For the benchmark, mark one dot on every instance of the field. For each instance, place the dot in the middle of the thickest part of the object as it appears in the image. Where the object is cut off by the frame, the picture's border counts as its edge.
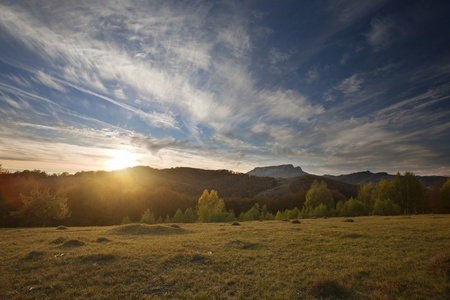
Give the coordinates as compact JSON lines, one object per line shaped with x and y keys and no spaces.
{"x":404,"y":257}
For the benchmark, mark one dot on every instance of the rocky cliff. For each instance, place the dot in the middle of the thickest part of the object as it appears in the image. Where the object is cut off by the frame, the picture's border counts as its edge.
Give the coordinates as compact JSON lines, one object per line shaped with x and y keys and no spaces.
{"x":283,"y":171}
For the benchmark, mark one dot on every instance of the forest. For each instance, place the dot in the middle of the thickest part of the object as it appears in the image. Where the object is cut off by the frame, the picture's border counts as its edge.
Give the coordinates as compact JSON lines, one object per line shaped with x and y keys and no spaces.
{"x":148,"y":195}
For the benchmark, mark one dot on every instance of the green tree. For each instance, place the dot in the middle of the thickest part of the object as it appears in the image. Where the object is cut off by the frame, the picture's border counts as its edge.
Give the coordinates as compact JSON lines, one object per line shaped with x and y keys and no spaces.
{"x":265,"y":214}
{"x":352,"y":208}
{"x":281,"y":215}
{"x":167,"y":219}
{"x":148,"y":217}
{"x":293,"y":213}
{"x":408,"y":192}
{"x":126,"y":220}
{"x":318,"y":195}
{"x":210,"y":208}
{"x":444,"y":197}
{"x":189,"y":216}
{"x":178,"y":217}
{"x":252,"y":214}
{"x":45,"y":205}
{"x":365,"y":193}
{"x":385,"y":207}
{"x":320,"y":211}
{"x":382,"y":191}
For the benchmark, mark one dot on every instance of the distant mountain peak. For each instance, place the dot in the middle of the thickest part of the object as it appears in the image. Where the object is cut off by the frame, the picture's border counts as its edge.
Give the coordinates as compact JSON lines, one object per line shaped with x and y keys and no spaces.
{"x":281,"y":171}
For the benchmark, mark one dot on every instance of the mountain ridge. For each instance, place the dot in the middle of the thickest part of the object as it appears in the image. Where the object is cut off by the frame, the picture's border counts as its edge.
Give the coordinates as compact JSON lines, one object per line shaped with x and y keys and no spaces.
{"x":356,"y":178}
{"x":280,"y":171}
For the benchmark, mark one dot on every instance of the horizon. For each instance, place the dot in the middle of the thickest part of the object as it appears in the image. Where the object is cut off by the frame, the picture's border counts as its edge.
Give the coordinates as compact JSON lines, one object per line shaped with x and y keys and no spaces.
{"x":56,"y":172}
{"x":335,"y":87}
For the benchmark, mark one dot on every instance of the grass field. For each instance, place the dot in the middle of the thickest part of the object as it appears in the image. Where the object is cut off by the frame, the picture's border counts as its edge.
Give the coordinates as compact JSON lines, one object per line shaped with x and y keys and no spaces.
{"x":404,"y":257}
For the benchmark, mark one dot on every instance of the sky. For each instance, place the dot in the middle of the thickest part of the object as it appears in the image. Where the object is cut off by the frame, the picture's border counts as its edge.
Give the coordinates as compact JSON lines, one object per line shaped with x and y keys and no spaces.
{"x":335,"y":86}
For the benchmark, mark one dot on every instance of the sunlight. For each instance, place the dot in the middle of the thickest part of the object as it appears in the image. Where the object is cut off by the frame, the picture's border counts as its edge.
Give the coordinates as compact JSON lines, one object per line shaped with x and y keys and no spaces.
{"x":120,"y":160}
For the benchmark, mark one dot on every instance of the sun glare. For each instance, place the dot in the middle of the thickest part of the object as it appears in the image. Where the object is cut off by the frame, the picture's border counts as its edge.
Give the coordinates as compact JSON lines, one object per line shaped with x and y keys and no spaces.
{"x":121,"y":160}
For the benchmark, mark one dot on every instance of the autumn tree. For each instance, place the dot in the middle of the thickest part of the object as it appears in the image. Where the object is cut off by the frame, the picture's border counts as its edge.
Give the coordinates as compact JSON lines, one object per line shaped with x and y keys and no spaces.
{"x":210,"y":208}
{"x":319,"y":201}
{"x":44,"y":205}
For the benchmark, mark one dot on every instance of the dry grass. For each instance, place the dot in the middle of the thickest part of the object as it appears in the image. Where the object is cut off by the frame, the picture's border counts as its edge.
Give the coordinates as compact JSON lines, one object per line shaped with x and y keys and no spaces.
{"x":371,"y":258}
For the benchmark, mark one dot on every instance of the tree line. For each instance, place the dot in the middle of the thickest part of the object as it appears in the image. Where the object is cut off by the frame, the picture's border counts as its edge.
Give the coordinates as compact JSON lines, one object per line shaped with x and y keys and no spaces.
{"x":33,"y":198}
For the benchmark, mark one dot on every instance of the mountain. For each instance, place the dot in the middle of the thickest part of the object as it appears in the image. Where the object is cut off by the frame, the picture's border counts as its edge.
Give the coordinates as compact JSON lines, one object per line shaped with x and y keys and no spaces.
{"x":282,"y":171}
{"x":361,"y":178}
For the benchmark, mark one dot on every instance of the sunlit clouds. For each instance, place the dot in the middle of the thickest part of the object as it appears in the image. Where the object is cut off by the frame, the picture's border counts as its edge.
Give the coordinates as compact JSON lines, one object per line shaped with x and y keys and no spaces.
{"x":333,"y":87}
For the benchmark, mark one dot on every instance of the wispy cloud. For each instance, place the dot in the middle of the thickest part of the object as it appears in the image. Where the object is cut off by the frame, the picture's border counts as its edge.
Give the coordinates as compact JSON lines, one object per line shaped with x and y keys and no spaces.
{"x":385,"y":31}
{"x":47,"y":80}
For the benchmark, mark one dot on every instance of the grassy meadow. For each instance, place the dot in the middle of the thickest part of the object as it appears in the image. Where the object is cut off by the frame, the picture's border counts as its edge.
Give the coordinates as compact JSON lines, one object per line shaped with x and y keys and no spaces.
{"x":402,"y":257}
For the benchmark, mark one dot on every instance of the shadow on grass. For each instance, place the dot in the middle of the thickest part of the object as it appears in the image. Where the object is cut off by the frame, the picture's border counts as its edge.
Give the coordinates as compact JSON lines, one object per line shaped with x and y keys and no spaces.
{"x":244,"y":245}
{"x":33,"y":255}
{"x":329,"y":288}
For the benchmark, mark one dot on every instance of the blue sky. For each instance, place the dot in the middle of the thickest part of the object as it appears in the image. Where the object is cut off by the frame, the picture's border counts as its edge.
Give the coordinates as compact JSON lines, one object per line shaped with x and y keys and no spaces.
{"x":332,"y":86}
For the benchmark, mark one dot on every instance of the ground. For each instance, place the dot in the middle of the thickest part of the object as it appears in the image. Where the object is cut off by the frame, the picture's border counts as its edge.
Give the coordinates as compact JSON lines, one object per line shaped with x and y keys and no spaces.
{"x":403,"y":257}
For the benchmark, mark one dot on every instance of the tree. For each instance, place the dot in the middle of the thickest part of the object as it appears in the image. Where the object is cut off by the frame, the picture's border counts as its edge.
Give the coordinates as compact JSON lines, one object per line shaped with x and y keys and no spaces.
{"x":189,"y":216}
{"x":252,"y":214}
{"x":365,"y":193}
{"x":386,"y":208}
{"x":210,"y":208}
{"x":318,"y":195}
{"x":45,"y":205}
{"x":148,"y":217}
{"x":293,"y":213}
{"x":352,"y":208}
{"x":126,"y":220}
{"x":445,"y":197}
{"x":178,"y":217}
{"x":408,"y":192}
{"x":382,"y":191}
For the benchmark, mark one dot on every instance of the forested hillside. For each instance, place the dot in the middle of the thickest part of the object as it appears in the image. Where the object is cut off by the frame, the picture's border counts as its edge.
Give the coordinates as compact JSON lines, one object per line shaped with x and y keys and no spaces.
{"x":106,"y":198}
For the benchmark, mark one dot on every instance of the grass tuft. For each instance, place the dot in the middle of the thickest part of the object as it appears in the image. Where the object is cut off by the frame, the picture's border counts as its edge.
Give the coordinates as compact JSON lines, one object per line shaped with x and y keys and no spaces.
{"x":352,"y":236}
{"x":328,"y":288}
{"x":442,"y":263}
{"x":35,"y":255}
{"x":143,"y":229}
{"x":61,"y":227}
{"x":72,"y":243}
{"x":244,"y":245}
{"x":103,"y":240}
{"x":178,"y":259}
{"x":58,"y":241}
{"x":96,"y":258}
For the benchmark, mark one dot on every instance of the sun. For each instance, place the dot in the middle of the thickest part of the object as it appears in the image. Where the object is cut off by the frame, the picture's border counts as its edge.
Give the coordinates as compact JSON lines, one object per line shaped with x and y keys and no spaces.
{"x":120,"y":160}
